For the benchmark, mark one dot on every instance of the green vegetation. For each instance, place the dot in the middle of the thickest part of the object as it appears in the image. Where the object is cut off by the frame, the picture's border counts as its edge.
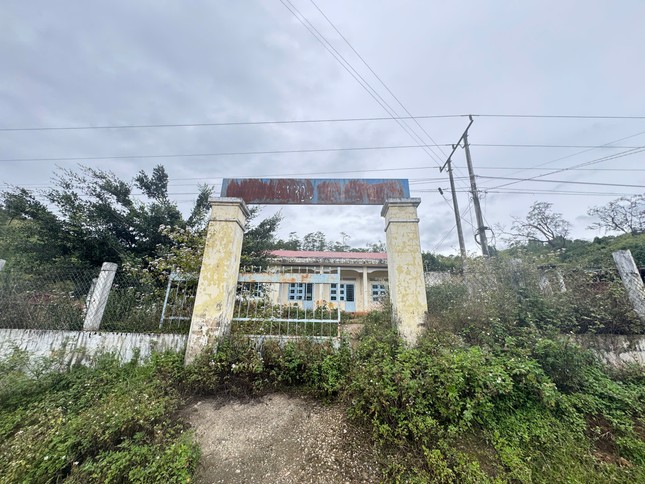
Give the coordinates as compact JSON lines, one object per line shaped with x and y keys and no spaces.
{"x":495,"y":391}
{"x":111,"y":423}
{"x":511,"y":404}
{"x":505,"y":295}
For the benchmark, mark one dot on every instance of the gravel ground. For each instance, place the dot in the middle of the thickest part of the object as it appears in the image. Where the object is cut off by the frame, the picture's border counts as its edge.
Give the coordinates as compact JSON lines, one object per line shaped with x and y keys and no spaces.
{"x":279,"y":439}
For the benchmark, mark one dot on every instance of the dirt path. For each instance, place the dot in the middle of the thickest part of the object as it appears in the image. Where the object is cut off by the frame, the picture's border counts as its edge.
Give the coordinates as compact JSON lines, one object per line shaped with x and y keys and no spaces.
{"x":279,"y":439}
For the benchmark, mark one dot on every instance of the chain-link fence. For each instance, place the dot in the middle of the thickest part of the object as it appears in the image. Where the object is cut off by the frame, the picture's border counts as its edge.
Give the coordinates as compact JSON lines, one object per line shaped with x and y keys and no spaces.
{"x":54,"y":299}
{"x":134,"y":307}
{"x":95,"y":299}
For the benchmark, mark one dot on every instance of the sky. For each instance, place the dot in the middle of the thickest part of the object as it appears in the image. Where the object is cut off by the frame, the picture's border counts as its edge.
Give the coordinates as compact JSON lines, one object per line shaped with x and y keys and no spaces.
{"x":90,"y":64}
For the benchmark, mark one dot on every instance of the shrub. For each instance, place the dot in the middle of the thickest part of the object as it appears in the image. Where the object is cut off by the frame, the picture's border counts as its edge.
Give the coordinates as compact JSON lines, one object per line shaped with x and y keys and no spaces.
{"x":95,"y":425}
{"x":239,"y":368}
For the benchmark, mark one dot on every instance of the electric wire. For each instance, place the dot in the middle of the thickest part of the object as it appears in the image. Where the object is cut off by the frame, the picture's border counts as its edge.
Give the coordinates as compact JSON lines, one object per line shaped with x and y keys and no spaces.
{"x":377,"y":77}
{"x":350,"y":69}
{"x":301,"y":121}
{"x":640,"y":133}
{"x":602,"y":184}
{"x":283,"y":152}
{"x":580,"y":165}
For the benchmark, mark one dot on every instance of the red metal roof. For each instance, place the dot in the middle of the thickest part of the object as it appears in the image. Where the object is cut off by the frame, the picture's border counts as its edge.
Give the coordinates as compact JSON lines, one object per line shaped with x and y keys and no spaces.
{"x":305,"y":254}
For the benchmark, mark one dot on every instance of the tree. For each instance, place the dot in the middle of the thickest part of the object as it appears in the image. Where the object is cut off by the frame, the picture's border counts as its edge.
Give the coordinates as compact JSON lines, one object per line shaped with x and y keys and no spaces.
{"x":625,"y":214}
{"x":91,"y":216}
{"x":259,"y":239}
{"x":314,"y":241}
{"x":185,"y":250}
{"x":441,"y":263}
{"x":542,"y":226}
{"x":293,"y":243}
{"x":340,"y":245}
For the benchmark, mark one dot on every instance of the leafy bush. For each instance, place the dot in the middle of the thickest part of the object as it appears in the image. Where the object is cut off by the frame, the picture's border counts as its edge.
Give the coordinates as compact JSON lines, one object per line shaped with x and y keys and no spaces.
{"x":239,"y":368}
{"x":509,"y":402}
{"x":108,"y":423}
{"x":519,"y":410}
{"x":513,"y":297}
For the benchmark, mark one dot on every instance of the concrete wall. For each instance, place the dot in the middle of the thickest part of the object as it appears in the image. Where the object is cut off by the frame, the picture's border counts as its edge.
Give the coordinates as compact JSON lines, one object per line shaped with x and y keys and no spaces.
{"x":81,"y":347}
{"x":615,"y":349}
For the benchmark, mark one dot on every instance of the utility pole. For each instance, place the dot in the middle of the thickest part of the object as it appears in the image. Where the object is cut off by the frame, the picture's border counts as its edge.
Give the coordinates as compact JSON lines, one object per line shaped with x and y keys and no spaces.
{"x":481,"y":228}
{"x":455,"y":204}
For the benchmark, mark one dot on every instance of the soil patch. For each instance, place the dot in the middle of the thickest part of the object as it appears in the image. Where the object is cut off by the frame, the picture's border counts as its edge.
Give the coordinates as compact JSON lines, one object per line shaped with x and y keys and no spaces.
{"x":280,"y":439}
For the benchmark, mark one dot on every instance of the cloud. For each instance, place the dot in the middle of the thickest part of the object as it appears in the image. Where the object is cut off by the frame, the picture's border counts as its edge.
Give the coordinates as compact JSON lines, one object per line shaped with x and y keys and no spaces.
{"x":70,"y":63}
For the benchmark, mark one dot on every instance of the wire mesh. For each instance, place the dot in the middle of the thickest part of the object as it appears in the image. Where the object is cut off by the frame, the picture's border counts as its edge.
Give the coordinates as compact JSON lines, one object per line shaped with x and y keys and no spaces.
{"x":79,"y":299}
{"x":55,"y":299}
{"x":136,"y":307}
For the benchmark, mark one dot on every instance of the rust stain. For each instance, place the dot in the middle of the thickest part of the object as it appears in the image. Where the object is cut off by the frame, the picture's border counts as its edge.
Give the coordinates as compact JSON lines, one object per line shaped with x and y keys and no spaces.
{"x":315,"y":191}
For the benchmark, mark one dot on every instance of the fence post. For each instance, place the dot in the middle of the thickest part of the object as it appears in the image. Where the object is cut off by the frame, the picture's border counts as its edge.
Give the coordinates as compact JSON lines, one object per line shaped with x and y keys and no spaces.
{"x":2,"y":263}
{"x":98,"y":299}
{"x":631,"y":280}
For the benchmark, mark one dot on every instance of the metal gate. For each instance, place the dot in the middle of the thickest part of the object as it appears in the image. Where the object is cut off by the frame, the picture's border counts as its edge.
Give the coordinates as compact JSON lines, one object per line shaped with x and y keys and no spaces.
{"x":179,"y":301}
{"x":287,"y":302}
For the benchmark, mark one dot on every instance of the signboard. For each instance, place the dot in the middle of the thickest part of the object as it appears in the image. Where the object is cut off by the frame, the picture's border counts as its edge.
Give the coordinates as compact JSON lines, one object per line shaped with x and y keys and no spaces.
{"x":315,"y":191}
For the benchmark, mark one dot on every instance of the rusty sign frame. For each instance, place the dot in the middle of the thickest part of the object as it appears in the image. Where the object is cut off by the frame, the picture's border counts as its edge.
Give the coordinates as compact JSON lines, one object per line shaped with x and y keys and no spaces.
{"x":316,"y":191}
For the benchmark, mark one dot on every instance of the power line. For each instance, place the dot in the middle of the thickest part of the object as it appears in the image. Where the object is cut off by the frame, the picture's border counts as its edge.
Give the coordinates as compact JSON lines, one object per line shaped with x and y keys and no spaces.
{"x":461,"y":216}
{"x":294,"y":151}
{"x":564,"y":168}
{"x":565,"y":193}
{"x":511,"y":145}
{"x":392,"y":112}
{"x":602,"y":184}
{"x":350,"y":69}
{"x":300,"y":121}
{"x":517,"y":191}
{"x":579,"y":153}
{"x":376,"y":75}
{"x":556,"y":116}
{"x":222,"y":153}
{"x":371,"y":170}
{"x":228,"y":123}
{"x":580,"y":165}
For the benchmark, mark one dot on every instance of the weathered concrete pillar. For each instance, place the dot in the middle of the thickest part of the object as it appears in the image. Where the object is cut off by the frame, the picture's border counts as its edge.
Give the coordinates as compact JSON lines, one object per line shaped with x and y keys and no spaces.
{"x":631,"y":280}
{"x":215,"y":299}
{"x":405,"y":266}
{"x":98,"y":299}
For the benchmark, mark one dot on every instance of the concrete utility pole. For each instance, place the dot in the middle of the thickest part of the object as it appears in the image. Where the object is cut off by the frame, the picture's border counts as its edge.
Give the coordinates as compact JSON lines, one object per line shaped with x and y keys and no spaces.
{"x":481,"y":228}
{"x":455,"y":205}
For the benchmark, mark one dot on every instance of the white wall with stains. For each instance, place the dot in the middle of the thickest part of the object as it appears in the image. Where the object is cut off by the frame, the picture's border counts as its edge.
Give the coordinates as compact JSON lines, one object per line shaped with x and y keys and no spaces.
{"x":81,"y":347}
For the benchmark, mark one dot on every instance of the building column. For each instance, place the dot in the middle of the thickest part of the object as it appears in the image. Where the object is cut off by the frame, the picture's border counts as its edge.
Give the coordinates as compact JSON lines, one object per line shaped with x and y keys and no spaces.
{"x":366,"y":291}
{"x":405,"y":267}
{"x":215,"y":299}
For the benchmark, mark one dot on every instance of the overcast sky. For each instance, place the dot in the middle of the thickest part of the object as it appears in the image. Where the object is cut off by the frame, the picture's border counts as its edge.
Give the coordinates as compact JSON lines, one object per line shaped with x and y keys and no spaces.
{"x":72,"y":63}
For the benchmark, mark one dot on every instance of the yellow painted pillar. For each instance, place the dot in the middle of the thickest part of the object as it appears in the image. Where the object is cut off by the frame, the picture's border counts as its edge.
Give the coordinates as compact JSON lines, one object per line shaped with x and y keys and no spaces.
{"x":405,"y":267}
{"x":215,"y":299}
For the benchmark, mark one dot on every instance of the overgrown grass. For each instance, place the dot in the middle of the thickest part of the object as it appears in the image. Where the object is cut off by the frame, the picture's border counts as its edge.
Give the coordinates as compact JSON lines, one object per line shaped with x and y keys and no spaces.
{"x":110,"y":423}
{"x":518,"y":404}
{"x":541,"y":412}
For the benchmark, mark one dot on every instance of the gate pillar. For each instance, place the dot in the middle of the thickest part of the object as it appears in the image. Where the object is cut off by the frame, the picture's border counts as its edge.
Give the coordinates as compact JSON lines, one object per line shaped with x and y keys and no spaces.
{"x":405,"y":267}
{"x":215,"y":299}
